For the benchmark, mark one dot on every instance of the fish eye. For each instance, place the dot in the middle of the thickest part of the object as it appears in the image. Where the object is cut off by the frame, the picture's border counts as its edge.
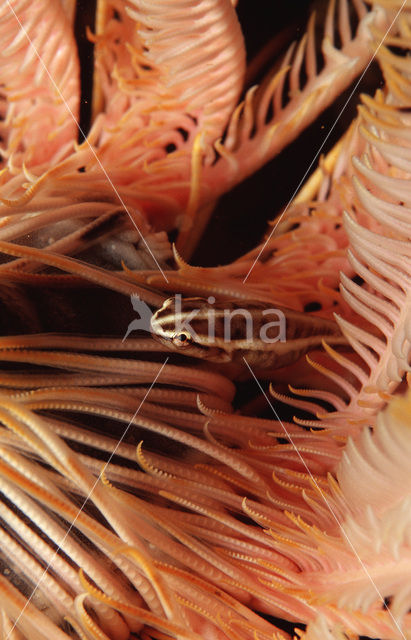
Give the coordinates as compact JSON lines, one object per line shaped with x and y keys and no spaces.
{"x":182,"y":339}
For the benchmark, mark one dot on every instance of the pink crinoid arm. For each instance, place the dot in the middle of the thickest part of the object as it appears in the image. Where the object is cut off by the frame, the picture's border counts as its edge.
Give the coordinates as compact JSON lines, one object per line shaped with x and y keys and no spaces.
{"x":39,"y":94}
{"x":275,"y":112}
{"x":167,"y":137}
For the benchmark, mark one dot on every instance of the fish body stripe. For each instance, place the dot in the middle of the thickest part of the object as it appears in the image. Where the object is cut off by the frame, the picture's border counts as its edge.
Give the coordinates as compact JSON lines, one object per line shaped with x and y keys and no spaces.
{"x":226,"y":330}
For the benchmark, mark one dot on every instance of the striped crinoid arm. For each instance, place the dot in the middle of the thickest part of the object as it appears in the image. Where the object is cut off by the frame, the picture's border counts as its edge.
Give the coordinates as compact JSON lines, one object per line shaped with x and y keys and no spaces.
{"x":167,"y":78}
{"x":47,"y":579}
{"x":185,"y":575}
{"x":170,"y":77}
{"x":178,"y":71}
{"x":39,"y":94}
{"x":363,"y":552}
{"x":297,"y":265}
{"x":378,"y":230}
{"x":63,"y":501}
{"x":275,"y":112}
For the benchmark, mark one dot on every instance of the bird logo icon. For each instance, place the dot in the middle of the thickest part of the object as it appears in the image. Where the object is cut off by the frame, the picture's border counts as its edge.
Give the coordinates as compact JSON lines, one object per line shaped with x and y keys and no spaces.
{"x":143,"y":322}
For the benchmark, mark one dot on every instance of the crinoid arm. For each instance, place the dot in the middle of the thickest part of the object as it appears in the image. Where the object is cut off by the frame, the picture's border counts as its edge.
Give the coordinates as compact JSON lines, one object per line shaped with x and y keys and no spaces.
{"x":374,"y":305}
{"x":274,"y":113}
{"x":39,"y":84}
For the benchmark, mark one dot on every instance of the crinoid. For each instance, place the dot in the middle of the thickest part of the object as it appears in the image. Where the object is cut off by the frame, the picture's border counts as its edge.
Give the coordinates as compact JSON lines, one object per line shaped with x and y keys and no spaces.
{"x":135,"y":500}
